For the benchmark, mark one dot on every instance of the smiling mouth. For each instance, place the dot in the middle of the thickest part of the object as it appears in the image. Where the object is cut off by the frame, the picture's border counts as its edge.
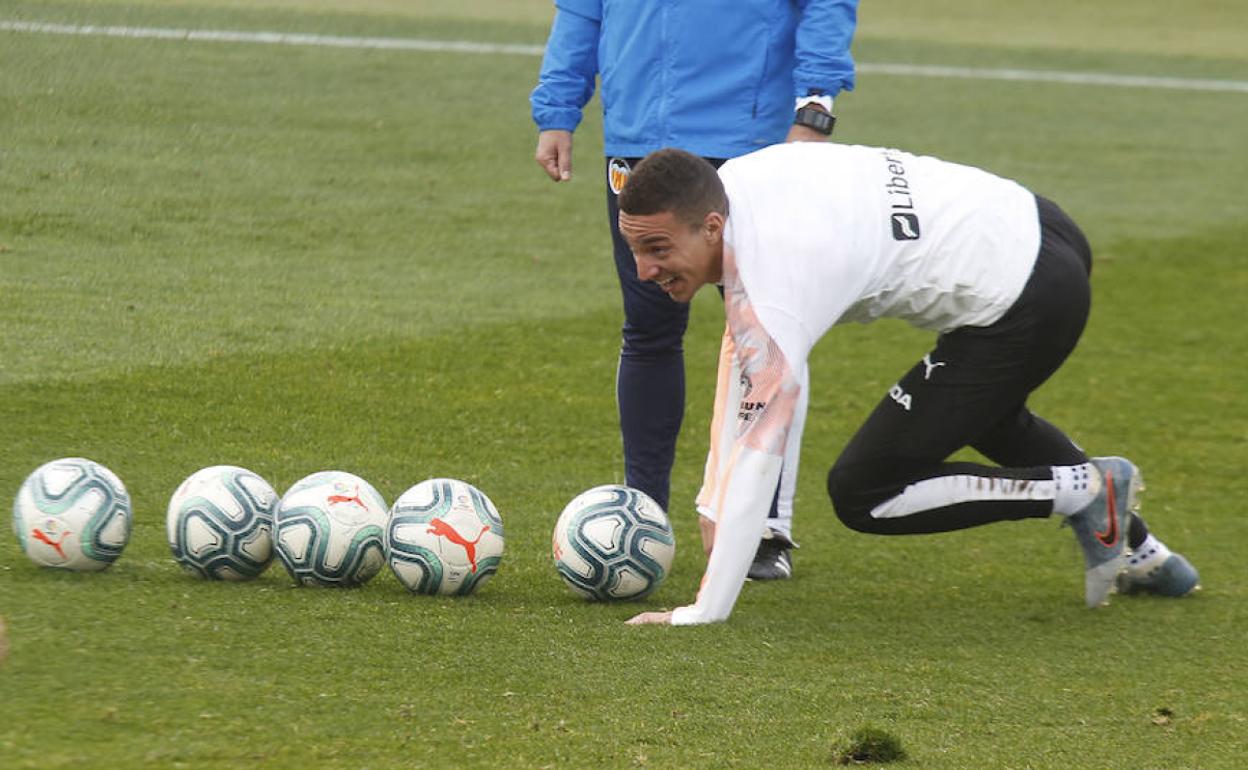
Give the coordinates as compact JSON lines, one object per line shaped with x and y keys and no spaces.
{"x":663,"y":284}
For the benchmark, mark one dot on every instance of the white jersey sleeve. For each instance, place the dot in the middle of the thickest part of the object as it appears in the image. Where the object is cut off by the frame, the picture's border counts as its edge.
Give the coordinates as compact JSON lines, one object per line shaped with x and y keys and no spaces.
{"x":756,"y":403}
{"x":728,"y":387}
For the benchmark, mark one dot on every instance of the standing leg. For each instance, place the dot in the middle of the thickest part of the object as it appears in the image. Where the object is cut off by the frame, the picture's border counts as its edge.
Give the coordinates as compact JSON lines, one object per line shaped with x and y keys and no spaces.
{"x":780,"y":517}
{"x":650,"y":381}
{"x":774,"y":558}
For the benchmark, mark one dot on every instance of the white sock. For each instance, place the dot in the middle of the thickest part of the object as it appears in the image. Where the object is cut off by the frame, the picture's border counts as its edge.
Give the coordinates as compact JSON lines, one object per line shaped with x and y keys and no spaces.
{"x":1151,"y":554}
{"x":1075,"y":486}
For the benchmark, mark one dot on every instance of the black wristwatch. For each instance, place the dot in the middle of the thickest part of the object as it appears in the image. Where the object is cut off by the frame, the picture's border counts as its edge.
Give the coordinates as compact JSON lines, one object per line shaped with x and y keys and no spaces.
{"x":815,"y":119}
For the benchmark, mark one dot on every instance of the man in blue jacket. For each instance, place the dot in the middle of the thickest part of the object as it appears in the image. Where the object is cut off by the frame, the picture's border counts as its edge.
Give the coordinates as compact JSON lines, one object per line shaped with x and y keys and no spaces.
{"x":718,"y":78}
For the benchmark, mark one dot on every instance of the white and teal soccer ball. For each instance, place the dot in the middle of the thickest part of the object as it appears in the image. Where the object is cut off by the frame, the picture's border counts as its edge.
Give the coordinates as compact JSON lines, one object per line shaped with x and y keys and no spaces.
{"x":613,"y":543}
{"x":220,"y":523}
{"x":72,"y":514}
{"x":444,"y":537}
{"x":329,"y":529}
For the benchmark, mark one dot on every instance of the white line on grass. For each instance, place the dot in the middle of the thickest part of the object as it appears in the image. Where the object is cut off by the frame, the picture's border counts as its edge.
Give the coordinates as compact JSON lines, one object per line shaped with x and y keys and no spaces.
{"x":463,"y":46}
{"x":271,"y":38}
{"x":1054,"y":76}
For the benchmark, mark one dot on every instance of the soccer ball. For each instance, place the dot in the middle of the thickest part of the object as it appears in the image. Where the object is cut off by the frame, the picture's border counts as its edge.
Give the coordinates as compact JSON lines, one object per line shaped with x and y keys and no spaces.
{"x":72,"y":514}
{"x":444,"y":537}
{"x":220,"y":523}
{"x":613,"y":543}
{"x":329,"y":530}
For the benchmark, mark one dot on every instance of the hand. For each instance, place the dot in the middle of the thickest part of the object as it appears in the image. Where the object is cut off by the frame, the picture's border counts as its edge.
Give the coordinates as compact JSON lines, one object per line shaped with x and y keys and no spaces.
{"x":706,"y":526}
{"x":651,"y":619}
{"x":554,"y":154}
{"x":805,"y":134}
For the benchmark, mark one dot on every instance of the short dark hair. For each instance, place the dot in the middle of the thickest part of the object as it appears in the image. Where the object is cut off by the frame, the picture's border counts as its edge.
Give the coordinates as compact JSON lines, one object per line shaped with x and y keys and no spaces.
{"x":676,"y":181}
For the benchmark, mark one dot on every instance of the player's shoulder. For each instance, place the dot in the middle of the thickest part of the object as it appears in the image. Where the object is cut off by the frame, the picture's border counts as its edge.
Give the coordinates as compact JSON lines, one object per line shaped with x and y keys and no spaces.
{"x":787,"y":163}
{"x":798,"y":153}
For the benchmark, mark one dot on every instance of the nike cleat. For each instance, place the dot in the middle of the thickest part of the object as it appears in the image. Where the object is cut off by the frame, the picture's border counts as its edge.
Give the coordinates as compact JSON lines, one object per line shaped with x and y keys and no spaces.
{"x":1101,"y":527}
{"x":1171,"y":575}
{"x":773,"y":560}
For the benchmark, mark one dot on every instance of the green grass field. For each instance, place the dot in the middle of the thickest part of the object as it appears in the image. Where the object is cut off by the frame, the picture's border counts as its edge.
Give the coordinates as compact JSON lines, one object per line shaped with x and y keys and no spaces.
{"x":297,"y":258}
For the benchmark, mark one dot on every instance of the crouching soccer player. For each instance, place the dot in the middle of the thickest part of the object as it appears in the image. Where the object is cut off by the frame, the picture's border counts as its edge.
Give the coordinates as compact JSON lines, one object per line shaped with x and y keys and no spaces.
{"x":806,"y":236}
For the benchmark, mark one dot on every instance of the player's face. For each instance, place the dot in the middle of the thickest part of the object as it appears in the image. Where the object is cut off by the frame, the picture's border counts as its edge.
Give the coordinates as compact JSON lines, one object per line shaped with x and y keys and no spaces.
{"x":679,"y":257}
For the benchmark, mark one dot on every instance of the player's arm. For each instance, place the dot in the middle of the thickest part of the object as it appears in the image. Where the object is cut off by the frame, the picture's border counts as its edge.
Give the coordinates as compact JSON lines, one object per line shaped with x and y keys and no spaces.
{"x":764,"y":397}
{"x":566,"y":83}
{"x":728,"y":387}
{"x":728,"y":391}
{"x":825,"y":66}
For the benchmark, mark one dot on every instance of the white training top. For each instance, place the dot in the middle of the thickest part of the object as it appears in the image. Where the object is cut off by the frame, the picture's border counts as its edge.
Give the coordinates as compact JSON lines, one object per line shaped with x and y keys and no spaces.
{"x":820,"y":234}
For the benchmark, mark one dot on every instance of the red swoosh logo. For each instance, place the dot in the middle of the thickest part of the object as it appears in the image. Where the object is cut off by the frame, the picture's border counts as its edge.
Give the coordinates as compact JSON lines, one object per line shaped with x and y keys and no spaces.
{"x":1109,"y":537}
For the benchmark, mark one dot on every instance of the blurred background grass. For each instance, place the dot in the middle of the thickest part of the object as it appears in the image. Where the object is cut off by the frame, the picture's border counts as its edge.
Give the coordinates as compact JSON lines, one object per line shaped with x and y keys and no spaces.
{"x":296,"y":258}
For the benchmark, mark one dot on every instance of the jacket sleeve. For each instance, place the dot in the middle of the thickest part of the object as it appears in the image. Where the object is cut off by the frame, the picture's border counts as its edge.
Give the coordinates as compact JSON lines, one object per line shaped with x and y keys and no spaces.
{"x":824,"y":33}
{"x":569,"y":65}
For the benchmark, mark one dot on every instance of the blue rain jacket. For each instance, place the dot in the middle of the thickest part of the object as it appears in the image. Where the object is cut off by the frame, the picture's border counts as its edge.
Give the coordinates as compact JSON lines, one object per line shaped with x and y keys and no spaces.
{"x":715,"y":77}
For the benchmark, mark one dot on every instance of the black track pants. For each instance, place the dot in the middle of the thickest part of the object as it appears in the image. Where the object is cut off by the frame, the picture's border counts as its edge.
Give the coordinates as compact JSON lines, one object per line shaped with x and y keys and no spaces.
{"x":972,"y":390}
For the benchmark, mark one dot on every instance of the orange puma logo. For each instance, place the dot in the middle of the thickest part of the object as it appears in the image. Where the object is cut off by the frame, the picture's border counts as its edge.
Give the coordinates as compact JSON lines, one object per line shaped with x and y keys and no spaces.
{"x":42,"y":537}
{"x":440,"y":528}
{"x":352,"y":499}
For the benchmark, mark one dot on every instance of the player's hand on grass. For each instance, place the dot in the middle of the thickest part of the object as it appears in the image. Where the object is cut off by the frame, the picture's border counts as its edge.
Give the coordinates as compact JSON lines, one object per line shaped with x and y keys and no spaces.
{"x":554,"y":154}
{"x":651,"y":619}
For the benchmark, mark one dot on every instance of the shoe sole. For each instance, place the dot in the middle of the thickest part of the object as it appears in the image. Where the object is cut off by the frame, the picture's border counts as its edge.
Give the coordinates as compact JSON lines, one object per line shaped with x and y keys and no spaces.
{"x":1100,"y":581}
{"x":1125,"y":585}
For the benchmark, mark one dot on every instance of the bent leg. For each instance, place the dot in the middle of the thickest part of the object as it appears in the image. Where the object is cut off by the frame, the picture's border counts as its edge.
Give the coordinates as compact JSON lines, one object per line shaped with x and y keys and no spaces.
{"x":971,"y":390}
